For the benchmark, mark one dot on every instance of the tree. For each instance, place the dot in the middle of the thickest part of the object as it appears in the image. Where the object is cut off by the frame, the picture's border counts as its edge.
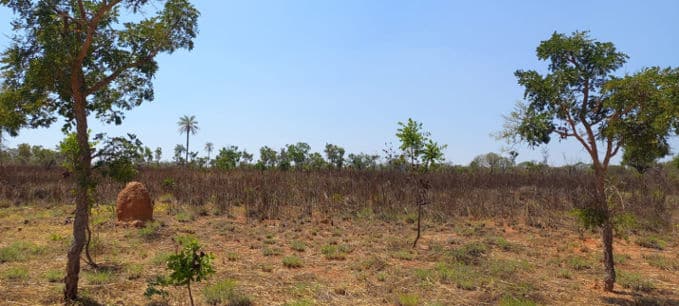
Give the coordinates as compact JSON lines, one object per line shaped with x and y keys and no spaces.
{"x":412,"y":140}
{"x":362,"y":161}
{"x":158,"y":153}
{"x":189,"y":125}
{"x":580,"y":98}
{"x":75,"y":58}
{"x":178,"y":152}
{"x":492,"y":161}
{"x":208,"y":148}
{"x":335,"y":155}
{"x":298,"y":153}
{"x":24,"y":153}
{"x":316,"y":161}
{"x":228,"y":158}
{"x":432,"y":154}
{"x":268,"y":158}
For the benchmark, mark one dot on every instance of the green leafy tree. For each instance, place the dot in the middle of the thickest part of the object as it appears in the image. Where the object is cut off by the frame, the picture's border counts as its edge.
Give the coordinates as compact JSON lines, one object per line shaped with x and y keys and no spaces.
{"x":75,"y":58}
{"x":362,"y":161}
{"x":412,"y":139}
{"x":316,"y":162}
{"x":492,"y":161}
{"x":190,"y":265}
{"x":268,"y":158}
{"x":228,"y":158}
{"x":158,"y":154}
{"x":24,"y":153}
{"x":118,"y":157}
{"x":298,"y":153}
{"x":209,"y":147}
{"x":335,"y":155}
{"x":432,"y":155}
{"x":188,"y":125}
{"x":178,"y":152}
{"x":580,"y":98}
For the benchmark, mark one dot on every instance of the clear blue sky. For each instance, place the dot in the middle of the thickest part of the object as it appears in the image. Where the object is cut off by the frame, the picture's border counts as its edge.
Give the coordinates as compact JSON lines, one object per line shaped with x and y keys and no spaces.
{"x":344,"y":72}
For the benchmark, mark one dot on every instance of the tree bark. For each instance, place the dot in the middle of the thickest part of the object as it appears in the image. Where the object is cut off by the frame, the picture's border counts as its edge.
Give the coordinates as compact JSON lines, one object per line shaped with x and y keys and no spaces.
{"x":83,"y":181}
{"x":187,"y":148}
{"x":606,"y":229}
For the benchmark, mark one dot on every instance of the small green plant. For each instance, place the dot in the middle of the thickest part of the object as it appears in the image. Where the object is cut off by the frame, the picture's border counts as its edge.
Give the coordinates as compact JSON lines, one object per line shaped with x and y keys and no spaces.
{"x":292,"y":262}
{"x":652,"y":242}
{"x":100,"y":277}
{"x":471,"y":253}
{"x":333,"y":252}
{"x":189,"y":265}
{"x":185,"y":216}
{"x":15,"y":274}
{"x":578,"y":263}
{"x":635,"y":281}
{"x":404,"y":255}
{"x":408,"y":300}
{"x":463,"y":276}
{"x":231,"y":256}
{"x":267,"y":251}
{"x":565,"y":274}
{"x":150,"y":230}
{"x":225,"y":292}
{"x":662,"y":262}
{"x":134,"y":271}
{"x":168,"y":184}
{"x":298,"y":246}
{"x":381,"y":276}
{"x":514,"y":301}
{"x":54,"y":276}
{"x":18,"y":251}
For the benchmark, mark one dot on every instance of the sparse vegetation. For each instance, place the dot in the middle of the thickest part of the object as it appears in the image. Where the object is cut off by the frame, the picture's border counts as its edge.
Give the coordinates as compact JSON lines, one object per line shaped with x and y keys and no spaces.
{"x":292,"y":262}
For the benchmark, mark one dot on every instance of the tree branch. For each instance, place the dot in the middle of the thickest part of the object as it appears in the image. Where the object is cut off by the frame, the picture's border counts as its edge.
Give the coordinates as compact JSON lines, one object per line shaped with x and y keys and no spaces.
{"x":107,"y":80}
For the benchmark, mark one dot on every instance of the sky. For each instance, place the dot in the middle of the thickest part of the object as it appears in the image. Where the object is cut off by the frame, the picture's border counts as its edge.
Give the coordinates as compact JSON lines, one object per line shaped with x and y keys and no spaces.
{"x":345,"y":72}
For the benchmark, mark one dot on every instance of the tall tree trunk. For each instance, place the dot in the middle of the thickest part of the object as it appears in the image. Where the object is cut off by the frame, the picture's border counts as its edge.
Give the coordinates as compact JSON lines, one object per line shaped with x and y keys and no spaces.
{"x":187,"y":147}
{"x":606,"y":229}
{"x":83,"y":182}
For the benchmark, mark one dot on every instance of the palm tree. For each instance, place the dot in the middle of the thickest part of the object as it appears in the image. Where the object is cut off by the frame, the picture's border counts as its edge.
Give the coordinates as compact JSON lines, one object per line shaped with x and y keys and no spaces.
{"x":188,"y":125}
{"x":209,"y":147}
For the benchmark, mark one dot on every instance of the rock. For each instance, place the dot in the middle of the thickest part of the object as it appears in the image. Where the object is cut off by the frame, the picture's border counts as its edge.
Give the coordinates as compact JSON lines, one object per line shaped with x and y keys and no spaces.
{"x":134,"y":203}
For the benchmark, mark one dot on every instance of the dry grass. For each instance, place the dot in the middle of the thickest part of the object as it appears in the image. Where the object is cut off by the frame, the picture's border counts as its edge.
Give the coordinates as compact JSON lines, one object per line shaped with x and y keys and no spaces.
{"x":350,"y":262}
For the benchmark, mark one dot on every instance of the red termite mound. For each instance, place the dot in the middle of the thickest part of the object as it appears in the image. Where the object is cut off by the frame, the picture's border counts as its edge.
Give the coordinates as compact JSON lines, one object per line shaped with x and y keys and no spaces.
{"x":134,"y":203}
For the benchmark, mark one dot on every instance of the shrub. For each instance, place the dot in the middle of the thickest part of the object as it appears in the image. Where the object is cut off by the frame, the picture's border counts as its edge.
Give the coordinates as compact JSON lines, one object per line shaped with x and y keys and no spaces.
{"x":225,"y":292}
{"x":634,"y":281}
{"x":408,"y":300}
{"x":267,"y":251}
{"x":471,"y":253}
{"x":298,"y":246}
{"x":15,"y":274}
{"x":292,"y":262}
{"x":18,"y":250}
{"x":652,"y":242}
{"x":662,"y":262}
{"x":333,"y":252}
{"x":54,"y":276}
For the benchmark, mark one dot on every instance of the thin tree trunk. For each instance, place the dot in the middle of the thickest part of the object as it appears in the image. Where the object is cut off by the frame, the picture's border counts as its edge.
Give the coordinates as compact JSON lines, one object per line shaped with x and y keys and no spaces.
{"x":606,"y":230}
{"x":419,"y":218}
{"x":90,"y":261}
{"x":190,"y":295}
{"x":187,"y":147}
{"x":83,"y":174}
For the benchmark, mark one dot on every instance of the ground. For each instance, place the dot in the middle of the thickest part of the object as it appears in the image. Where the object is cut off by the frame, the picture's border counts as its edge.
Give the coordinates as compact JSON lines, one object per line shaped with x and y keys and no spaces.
{"x":356,"y":260}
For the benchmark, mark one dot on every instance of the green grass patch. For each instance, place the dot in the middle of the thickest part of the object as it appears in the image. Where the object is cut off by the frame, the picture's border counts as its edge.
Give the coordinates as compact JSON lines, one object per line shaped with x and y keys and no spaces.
{"x":662,"y":262}
{"x":100,"y":277}
{"x":334,"y":252}
{"x":635,"y":281}
{"x":404,"y":255}
{"x":54,"y":276}
{"x":652,"y":242}
{"x":408,"y":300}
{"x":134,"y":271}
{"x":225,"y":292}
{"x":292,"y":262}
{"x":298,"y":246}
{"x":15,"y":274}
{"x":463,"y":276}
{"x":19,"y":250}
{"x":267,"y":251}
{"x":579,"y":263}
{"x":231,"y":256}
{"x":150,"y":231}
{"x":514,"y":301}
{"x":471,"y":253}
